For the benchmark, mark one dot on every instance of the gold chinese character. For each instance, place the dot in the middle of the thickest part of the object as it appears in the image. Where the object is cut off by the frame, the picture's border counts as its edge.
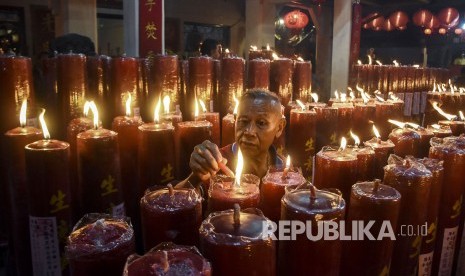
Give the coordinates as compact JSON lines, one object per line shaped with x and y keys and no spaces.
{"x":167,"y":173}
{"x":432,"y":231}
{"x":150,"y":4}
{"x":333,"y":139}
{"x":416,"y":245}
{"x":58,"y":202}
{"x":150,"y":29}
{"x":309,"y":145}
{"x":108,"y":186}
{"x":457,"y":208}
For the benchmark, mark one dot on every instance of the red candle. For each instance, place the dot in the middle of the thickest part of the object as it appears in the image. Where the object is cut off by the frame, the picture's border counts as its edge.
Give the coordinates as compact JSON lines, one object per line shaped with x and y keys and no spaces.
{"x":231,"y":82}
{"x":413,"y":181}
{"x":184,"y":77}
{"x":14,"y":142}
{"x":370,"y":201}
{"x":345,"y":113}
{"x":365,"y":163}
{"x":382,"y":151}
{"x":168,"y":259}
{"x":281,"y":79}
{"x":326,"y":127}
{"x":224,"y":192}
{"x":363,"y":117}
{"x":200,"y":82}
{"x":188,"y":135}
{"x":170,"y":215}
{"x":72,"y":86}
{"x":440,"y":131}
{"x":273,"y":188}
{"x":397,"y":109}
{"x":254,"y":53}
{"x":302,"y":138}
{"x":425,"y":137}
{"x":450,"y":151}
{"x":124,"y":81}
{"x":214,"y":119}
{"x":383,"y":112}
{"x":258,"y":75}
{"x":406,"y":141}
{"x":49,"y":75}
{"x":457,"y":127}
{"x":98,"y":73}
{"x":303,"y":256}
{"x":49,"y":201}
{"x":145,"y":80}
{"x":165,"y":79}
{"x":302,"y":80}
{"x":228,"y":133}
{"x":100,"y":245}
{"x":99,"y":172}
{"x":235,"y":242}
{"x":336,"y":169}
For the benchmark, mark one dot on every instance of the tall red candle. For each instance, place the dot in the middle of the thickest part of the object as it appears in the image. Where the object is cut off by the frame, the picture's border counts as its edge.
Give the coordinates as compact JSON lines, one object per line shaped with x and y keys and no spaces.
{"x":49,"y":200}
{"x":326,"y":127}
{"x":171,"y":215}
{"x":281,"y":79}
{"x":100,"y":245}
{"x":406,"y":141}
{"x":235,"y":242}
{"x":228,"y":134}
{"x":302,"y":80}
{"x":365,"y":163}
{"x":214,"y":119}
{"x":382,"y":151}
{"x":98,"y":75}
{"x":302,"y":139}
{"x":383,"y":113}
{"x":258,"y":74}
{"x":370,"y":201}
{"x":200,"y":82}
{"x":231,"y":82}
{"x":345,"y":113}
{"x":124,"y":80}
{"x":362,"y":122}
{"x":424,"y":145}
{"x":303,"y":256}
{"x":413,"y":181}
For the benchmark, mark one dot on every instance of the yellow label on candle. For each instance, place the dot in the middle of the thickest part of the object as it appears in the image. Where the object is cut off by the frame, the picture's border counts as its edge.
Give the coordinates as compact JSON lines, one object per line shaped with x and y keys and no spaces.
{"x":108,"y":186}
{"x":57,"y":201}
{"x":167,"y":173}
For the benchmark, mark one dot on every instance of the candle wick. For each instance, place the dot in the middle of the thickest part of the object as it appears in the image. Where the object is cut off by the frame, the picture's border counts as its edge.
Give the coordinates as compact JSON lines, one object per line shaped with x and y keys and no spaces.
{"x":166,"y":264}
{"x":312,"y":193}
{"x":284,"y":176}
{"x":237,"y":214}
{"x":376,"y":186}
{"x":170,"y":190}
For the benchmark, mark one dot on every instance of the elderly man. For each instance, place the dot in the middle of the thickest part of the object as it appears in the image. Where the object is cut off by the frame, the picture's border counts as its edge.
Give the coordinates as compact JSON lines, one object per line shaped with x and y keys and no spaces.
{"x":259,"y":122}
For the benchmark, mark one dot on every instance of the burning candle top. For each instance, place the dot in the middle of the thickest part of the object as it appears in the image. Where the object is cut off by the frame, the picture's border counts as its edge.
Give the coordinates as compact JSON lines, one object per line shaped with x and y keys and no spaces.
{"x":46,"y":143}
{"x":375,"y":192}
{"x":23,"y":129}
{"x":456,"y":124}
{"x":171,"y":200}
{"x":168,"y":259}
{"x":440,"y":131}
{"x":341,"y":154}
{"x":315,"y":102}
{"x":286,"y":176}
{"x":376,"y":141}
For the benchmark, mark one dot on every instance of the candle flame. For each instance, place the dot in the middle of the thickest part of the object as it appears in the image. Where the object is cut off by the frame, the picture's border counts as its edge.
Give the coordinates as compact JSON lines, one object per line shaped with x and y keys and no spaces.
{"x":443,"y":87}
{"x":226,"y":51}
{"x":300,"y":59}
{"x":156,"y":113}
{"x":336,"y":94}
{"x":22,"y":113}
{"x":343,"y":97}
{"x":94,"y":109}
{"x":128,"y":105}
{"x":356,"y":138}
{"x":359,"y":62}
{"x":196,"y":107}
{"x":376,"y":132}
{"x":396,"y":63}
{"x":314,"y":97}
{"x":461,"y":115}
{"x":397,"y":123}
{"x":364,"y":97}
{"x":236,"y":106}
{"x":275,"y":56}
{"x":288,"y":161}
{"x":446,"y":115}
{"x":352,"y":95}
{"x":359,"y":89}
{"x":379,"y":98}
{"x":202,"y":104}
{"x":461,"y":90}
{"x":416,"y":66}
{"x":239,"y":167}
{"x":44,"y":125}
{"x":268,"y":46}
{"x":166,"y":104}
{"x":370,"y":60}
{"x":436,"y":126}
{"x":86,"y":108}
{"x":343,"y":144}
{"x":253,"y":48}
{"x":379,"y":62}
{"x":434,"y":86}
{"x":415,"y":126}
{"x":393,"y":96}
{"x":301,"y":104}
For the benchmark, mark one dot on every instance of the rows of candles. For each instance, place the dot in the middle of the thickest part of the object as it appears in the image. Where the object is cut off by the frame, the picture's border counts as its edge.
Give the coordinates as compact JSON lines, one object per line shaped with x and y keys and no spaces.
{"x":53,"y":183}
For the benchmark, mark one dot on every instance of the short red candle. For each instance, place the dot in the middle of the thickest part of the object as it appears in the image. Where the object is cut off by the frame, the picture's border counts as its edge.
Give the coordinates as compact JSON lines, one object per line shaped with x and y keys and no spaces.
{"x":223,"y":194}
{"x":382,"y":151}
{"x":235,"y":248}
{"x":364,"y":115}
{"x":365,"y":163}
{"x":228,"y":130}
{"x":173,"y":117}
{"x":425,"y":137}
{"x":273,"y":189}
{"x":214,"y":119}
{"x":188,"y":135}
{"x":304,"y":256}
{"x":397,"y":109}
{"x":326,"y":127}
{"x":457,"y":127}
{"x":171,"y":215}
{"x":406,"y":141}
{"x":302,"y":139}
{"x":370,"y":201}
{"x":440,"y":131}
{"x":200,"y":82}
{"x":100,"y":245}
{"x":413,"y":181}
{"x":383,"y":112}
{"x":49,"y":194}
{"x":168,"y":259}
{"x":336,"y":169}
{"x":258,"y":75}
{"x":302,"y":80}
{"x":345,"y":113}
{"x":124,"y":80}
{"x":99,"y":172}
{"x":231,"y":82}
{"x":281,"y":79}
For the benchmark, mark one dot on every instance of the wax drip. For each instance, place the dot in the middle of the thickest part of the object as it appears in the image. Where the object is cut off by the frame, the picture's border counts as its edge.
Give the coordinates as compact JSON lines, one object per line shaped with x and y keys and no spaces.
{"x":376,"y":185}
{"x":170,"y":190}
{"x":312,"y":193}
{"x":237,"y":215}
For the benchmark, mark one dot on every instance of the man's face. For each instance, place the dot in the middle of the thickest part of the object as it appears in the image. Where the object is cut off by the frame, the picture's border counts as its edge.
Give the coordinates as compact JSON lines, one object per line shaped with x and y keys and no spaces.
{"x":216,"y":53}
{"x":258,"y":122}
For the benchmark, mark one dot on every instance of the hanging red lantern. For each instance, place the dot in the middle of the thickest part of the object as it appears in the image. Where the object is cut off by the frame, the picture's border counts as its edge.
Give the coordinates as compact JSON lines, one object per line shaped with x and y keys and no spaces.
{"x":448,"y":17}
{"x":366,"y":26}
{"x":378,"y":22}
{"x":388,"y":26}
{"x":427,"y":31}
{"x":433,"y":23}
{"x":319,"y":2}
{"x":377,"y":28}
{"x":402,"y":28}
{"x":442,"y":31}
{"x":422,"y":17}
{"x":458,"y":31}
{"x":295,"y":20}
{"x":398,"y":19}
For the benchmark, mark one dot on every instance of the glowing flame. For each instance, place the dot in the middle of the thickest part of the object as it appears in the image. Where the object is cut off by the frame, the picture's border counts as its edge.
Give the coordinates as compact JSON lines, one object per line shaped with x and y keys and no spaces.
{"x":352,"y":95}
{"x":156,"y":113}
{"x":94,"y":109}
{"x":379,"y":98}
{"x":343,"y":144}
{"x":370,"y":61}
{"x":434,"y":86}
{"x":461,"y":115}
{"x":359,"y":89}
{"x":44,"y":125}
{"x":336,"y":94}
{"x":275,"y":56}
{"x":395,"y":63}
{"x":461,"y":90}
{"x":376,"y":132}
{"x":443,"y":87}
{"x":288,"y":161}
{"x":364,"y":97}
{"x":239,"y":167}
{"x":393,"y":96}
{"x":359,"y":62}
{"x":314,"y":97}
{"x":166,"y":104}
{"x":343,"y":97}
{"x":267,"y":46}
{"x":128,"y":105}
{"x":236,"y":106}
{"x":226,"y":51}
{"x":356,"y":139}
{"x":416,"y":66}
{"x":452,"y":90}
{"x":301,"y":104}
{"x":397,"y":123}
{"x":202,"y":104}
{"x":300,"y":59}
{"x":447,"y":116}
{"x":196,"y":107}
{"x":415,"y":126}
{"x":22,"y":113}
{"x":436,"y":126}
{"x":253,"y":48}
{"x":379,"y":62}
{"x":86,"y":108}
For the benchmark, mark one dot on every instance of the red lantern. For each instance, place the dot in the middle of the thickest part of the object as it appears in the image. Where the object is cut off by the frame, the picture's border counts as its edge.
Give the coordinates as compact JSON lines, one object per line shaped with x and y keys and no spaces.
{"x":458,"y":31}
{"x":295,"y":20}
{"x":449,"y":17}
{"x":398,"y":19}
{"x":378,"y":22}
{"x":422,"y":17}
{"x":442,"y":31}
{"x":433,"y":23}
{"x":377,"y":28}
{"x":402,"y":28}
{"x":427,"y":31}
{"x":388,"y":26}
{"x":366,"y":26}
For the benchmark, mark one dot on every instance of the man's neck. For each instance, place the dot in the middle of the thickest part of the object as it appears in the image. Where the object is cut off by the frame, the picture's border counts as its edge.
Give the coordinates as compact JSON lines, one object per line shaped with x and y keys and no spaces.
{"x":258,"y":165}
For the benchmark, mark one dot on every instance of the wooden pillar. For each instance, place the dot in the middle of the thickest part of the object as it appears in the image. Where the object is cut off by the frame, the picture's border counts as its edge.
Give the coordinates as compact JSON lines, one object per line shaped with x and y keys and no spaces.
{"x":131,"y":27}
{"x":324,"y":49}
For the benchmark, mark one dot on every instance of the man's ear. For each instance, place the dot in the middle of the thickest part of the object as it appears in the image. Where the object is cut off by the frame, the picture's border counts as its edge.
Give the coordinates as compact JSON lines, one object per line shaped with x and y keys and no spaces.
{"x":281,"y":126}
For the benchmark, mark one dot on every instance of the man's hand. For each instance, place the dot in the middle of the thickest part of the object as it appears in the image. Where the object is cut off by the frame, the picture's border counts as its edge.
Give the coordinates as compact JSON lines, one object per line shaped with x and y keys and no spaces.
{"x":205,"y":160}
